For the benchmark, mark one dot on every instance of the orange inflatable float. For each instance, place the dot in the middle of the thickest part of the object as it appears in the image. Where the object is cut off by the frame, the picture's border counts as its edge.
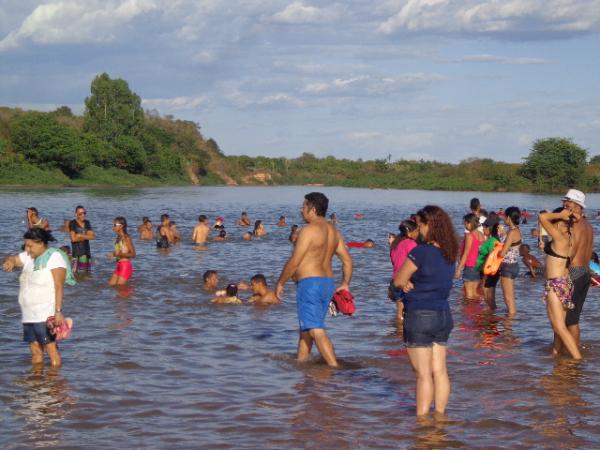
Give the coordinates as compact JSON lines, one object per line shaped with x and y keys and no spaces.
{"x":493,"y":260}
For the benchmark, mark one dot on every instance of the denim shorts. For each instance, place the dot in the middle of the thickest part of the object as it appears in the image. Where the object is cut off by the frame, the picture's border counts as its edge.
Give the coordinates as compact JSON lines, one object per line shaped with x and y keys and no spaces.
{"x":424,"y":327}
{"x":509,"y":270}
{"x":37,"y":332}
{"x":395,"y":294}
{"x":471,"y":274}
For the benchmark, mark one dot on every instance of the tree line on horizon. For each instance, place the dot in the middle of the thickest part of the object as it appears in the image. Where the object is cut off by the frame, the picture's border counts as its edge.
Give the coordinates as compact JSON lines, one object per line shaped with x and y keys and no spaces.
{"x":116,"y":142}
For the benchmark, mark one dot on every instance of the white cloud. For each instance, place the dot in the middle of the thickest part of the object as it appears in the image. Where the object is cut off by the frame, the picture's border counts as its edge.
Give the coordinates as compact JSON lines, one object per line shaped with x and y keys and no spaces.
{"x":175,"y":104}
{"x":487,"y":58}
{"x":71,"y":22}
{"x":534,"y":18}
{"x":371,"y":85}
{"x":298,"y":13}
{"x":485,"y":129}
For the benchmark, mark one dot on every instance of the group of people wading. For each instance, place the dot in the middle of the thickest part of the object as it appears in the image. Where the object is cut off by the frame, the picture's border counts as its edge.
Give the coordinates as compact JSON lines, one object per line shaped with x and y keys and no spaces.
{"x":426,"y":257}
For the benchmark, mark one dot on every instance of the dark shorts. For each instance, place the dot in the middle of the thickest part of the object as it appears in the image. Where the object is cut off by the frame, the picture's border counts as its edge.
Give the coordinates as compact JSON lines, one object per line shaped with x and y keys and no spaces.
{"x":395,"y":294}
{"x":491,"y":280}
{"x":423,"y":327}
{"x":313,"y":295}
{"x":510,"y":270}
{"x":471,"y":274}
{"x":581,"y":286}
{"x":37,"y":332}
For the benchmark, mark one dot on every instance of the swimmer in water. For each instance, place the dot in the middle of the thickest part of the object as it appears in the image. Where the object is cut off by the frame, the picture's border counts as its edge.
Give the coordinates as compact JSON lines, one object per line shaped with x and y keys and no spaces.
{"x":35,"y":221}
{"x":369,"y":243}
{"x":244,"y":220}
{"x":210,"y":280}
{"x":222,"y":236}
{"x":230,"y":296}
{"x":259,"y":229}
{"x":175,"y":233}
{"x":281,"y":222}
{"x":333,"y":219}
{"x":294,"y":232}
{"x":247,"y":236}
{"x":531,"y":262}
{"x":164,"y":235}
{"x":219,"y":223}
{"x":261,"y":294}
{"x":146,"y":230}
{"x":124,"y":252}
{"x":200,"y":233}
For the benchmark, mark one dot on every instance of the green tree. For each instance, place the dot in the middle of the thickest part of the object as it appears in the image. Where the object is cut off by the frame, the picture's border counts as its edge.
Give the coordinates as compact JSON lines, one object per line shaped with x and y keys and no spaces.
{"x":112,"y":110}
{"x":134,"y":157}
{"x":44,"y":141}
{"x":595,"y":160}
{"x":555,"y":163}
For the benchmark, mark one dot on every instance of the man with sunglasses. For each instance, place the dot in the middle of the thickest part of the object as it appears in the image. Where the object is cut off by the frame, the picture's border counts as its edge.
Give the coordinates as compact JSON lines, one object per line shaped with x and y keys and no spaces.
{"x":81,"y":233}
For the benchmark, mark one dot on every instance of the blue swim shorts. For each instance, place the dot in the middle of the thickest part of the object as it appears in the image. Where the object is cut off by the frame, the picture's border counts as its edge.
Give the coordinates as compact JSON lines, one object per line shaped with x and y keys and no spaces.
{"x":313,"y":295}
{"x":37,"y":332}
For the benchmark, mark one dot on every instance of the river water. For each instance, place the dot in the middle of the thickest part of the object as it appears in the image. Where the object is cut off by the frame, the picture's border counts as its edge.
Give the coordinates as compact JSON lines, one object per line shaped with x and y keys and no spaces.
{"x":155,"y":365}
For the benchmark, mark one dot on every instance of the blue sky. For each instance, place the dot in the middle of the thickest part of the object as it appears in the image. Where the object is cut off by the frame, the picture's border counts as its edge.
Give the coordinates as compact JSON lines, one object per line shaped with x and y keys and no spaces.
{"x":433,"y":79}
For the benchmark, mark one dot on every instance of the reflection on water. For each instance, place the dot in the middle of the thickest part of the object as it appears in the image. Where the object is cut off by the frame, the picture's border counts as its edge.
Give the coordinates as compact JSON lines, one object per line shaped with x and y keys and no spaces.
{"x":155,"y":365}
{"x":43,"y":401}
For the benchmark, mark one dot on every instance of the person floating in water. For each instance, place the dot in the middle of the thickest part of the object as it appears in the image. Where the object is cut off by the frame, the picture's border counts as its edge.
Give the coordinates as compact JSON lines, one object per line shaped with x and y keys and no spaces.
{"x":124,"y":252}
{"x":81,"y":233}
{"x":369,"y":243}
{"x":146,"y":229}
{"x":201,"y":230}
{"x":230,"y":296}
{"x":310,"y":264}
{"x":244,"y":220}
{"x":261,"y":294}
{"x":531,"y":262}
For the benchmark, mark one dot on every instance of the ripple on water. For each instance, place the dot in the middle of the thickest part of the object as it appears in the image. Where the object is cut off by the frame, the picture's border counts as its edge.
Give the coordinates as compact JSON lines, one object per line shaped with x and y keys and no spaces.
{"x":155,"y":365}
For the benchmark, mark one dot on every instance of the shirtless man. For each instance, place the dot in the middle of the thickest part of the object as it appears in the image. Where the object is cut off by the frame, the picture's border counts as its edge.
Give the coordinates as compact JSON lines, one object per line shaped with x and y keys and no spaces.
{"x":261,"y":294}
{"x":581,"y":253}
{"x":244,"y":220}
{"x":146,"y":230}
{"x":210,"y":280}
{"x":310,"y":264}
{"x":281,"y":222}
{"x":200,"y":233}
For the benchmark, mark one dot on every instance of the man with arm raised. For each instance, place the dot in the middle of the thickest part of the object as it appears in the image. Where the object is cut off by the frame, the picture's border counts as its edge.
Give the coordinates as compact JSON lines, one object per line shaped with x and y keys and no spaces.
{"x":310,"y":265}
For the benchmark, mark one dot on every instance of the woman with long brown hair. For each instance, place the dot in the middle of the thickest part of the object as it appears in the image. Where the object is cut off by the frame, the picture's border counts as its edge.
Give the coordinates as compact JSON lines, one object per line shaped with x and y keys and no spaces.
{"x":426,"y":279}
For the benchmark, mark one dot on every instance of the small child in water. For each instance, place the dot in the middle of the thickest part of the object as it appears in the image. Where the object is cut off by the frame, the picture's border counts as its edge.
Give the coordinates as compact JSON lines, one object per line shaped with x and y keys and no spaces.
{"x":534,"y":266}
{"x":230,"y":296}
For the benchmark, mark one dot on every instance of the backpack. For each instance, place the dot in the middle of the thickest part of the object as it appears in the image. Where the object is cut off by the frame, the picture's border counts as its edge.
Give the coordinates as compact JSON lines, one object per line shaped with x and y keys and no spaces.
{"x":344,"y":302}
{"x":493,"y":260}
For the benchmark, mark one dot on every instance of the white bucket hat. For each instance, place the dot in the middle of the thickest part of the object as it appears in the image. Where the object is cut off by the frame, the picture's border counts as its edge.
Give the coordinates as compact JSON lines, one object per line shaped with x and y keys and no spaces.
{"x":575,"y":196}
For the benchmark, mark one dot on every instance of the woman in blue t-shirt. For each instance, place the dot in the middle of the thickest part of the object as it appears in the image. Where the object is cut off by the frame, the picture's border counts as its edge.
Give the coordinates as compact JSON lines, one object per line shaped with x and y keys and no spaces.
{"x":426,"y":278}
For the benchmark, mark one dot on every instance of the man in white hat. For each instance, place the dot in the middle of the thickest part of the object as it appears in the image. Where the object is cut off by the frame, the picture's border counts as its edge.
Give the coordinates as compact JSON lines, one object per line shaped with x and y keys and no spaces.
{"x":581,"y":253}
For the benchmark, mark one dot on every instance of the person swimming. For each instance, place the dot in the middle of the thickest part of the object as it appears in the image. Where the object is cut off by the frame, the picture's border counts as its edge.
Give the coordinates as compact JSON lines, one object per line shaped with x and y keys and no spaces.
{"x":244,"y":220}
{"x":281,"y":222}
{"x":259,"y":229}
{"x":230,"y":296}
{"x":222,"y":236}
{"x":247,"y":236}
{"x":261,"y":294}
{"x":369,"y":243}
